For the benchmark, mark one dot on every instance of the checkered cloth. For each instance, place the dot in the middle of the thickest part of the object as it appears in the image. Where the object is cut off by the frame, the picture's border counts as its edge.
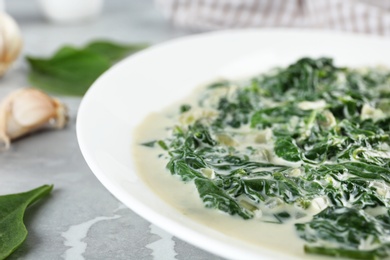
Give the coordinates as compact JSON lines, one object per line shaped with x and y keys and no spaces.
{"x":361,"y":16}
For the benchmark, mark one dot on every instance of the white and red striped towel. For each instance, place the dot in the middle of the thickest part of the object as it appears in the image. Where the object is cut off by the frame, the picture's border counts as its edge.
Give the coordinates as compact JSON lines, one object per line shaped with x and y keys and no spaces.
{"x":361,"y":16}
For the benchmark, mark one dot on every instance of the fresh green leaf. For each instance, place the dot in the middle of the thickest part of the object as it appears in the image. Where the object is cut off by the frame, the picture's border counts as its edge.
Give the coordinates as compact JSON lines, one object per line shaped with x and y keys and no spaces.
{"x":113,"y":51}
{"x":71,"y":71}
{"x":12,"y":209}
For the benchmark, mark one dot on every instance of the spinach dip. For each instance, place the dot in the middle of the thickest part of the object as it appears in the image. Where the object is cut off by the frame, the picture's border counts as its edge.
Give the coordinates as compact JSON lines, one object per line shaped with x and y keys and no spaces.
{"x":303,"y":149}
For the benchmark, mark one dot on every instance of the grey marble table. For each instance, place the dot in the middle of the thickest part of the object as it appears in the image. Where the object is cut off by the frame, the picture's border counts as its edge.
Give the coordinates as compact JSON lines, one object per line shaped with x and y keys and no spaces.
{"x":81,"y":219}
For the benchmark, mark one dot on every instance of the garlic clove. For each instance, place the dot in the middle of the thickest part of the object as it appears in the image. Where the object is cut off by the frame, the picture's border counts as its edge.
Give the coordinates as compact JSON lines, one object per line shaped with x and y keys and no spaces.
{"x":32,"y":108}
{"x":10,"y":41}
{"x":27,"y":110}
{"x":61,"y":117}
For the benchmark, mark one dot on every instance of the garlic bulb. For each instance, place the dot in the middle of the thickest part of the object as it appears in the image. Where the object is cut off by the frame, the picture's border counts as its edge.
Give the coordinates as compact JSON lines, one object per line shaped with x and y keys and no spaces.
{"x":10,"y":41}
{"x":27,"y":110}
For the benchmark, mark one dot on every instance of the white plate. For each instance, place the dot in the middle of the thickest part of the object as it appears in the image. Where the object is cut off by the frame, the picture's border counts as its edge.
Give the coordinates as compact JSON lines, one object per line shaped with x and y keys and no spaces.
{"x":152,"y":79}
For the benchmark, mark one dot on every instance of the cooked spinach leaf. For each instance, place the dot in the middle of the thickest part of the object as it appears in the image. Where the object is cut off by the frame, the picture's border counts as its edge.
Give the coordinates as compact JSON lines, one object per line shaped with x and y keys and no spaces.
{"x":311,"y":137}
{"x":347,"y":232}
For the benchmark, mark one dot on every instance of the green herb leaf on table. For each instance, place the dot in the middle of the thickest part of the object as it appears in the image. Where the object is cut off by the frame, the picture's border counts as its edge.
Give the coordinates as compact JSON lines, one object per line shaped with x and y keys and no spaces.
{"x":12,"y":209}
{"x":71,"y":71}
{"x":113,"y":51}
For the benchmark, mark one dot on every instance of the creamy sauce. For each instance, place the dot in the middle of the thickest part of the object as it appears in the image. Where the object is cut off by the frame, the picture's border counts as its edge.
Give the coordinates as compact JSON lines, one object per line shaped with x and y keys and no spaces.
{"x":185,"y":198}
{"x":257,"y":144}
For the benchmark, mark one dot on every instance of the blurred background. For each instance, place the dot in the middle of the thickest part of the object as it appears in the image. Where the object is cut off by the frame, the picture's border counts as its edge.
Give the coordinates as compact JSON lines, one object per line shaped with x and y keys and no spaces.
{"x":154,"y":21}
{"x":121,"y":20}
{"x":48,"y":25}
{"x":360,"y":16}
